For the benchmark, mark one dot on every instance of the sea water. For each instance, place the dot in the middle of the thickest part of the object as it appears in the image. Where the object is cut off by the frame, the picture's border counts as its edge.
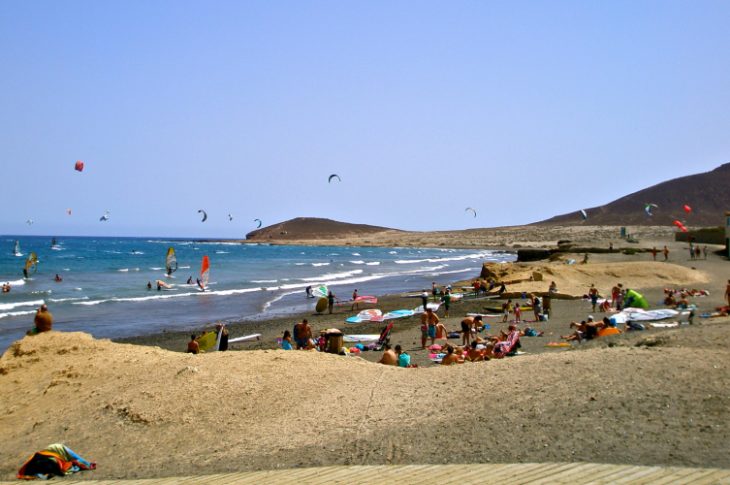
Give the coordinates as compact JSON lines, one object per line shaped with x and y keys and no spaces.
{"x":104,"y":288}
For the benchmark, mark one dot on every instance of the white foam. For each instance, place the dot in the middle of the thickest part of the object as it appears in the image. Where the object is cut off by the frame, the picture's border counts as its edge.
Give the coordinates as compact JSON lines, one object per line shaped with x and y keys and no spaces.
{"x":373,"y":263}
{"x":358,"y":261}
{"x":264,"y":281}
{"x":16,"y":314}
{"x":277,"y":298}
{"x":320,"y":264}
{"x":392,"y":252}
{"x":356,"y":254}
{"x":155,"y":268}
{"x":20,"y":282}
{"x":299,"y":264}
{"x":123,"y":270}
{"x":463,"y":257}
{"x":222,"y":252}
{"x":183,"y":267}
{"x":60,"y":300}
{"x":18,"y":304}
{"x":333,"y":276}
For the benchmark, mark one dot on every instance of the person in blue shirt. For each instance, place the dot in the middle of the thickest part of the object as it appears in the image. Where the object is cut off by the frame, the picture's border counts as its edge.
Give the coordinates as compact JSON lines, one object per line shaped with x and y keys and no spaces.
{"x":404,"y":360}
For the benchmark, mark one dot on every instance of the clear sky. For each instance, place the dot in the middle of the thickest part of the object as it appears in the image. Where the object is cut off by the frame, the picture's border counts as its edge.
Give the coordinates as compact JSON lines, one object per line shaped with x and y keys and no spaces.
{"x":522,"y":110}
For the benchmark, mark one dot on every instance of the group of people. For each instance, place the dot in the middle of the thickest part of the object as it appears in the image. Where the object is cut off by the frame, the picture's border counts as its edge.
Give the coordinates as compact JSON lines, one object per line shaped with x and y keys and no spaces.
{"x":6,"y":287}
{"x":695,"y":252}
{"x":589,"y":329}
{"x":665,"y":252}
{"x":396,"y":357}
{"x":617,"y":301}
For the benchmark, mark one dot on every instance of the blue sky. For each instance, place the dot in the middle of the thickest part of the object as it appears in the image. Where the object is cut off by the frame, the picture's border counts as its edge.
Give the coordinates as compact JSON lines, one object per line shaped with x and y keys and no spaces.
{"x":522,"y":110}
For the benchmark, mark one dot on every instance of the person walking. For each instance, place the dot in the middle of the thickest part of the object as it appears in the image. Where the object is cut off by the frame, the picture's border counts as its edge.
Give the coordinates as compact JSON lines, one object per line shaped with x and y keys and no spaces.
{"x":666,"y":253}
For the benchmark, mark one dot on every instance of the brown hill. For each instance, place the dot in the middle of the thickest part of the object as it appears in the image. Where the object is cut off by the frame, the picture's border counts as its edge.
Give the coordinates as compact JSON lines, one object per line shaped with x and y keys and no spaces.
{"x":313,"y":228}
{"x":706,"y":193}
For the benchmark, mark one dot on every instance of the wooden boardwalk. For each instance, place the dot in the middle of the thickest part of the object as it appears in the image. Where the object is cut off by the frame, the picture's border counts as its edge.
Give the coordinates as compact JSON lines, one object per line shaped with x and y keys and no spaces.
{"x":518,"y":473}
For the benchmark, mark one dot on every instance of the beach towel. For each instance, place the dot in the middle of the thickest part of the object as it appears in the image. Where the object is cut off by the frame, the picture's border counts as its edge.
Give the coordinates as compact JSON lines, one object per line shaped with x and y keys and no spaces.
{"x":506,"y":346}
{"x":54,"y":460}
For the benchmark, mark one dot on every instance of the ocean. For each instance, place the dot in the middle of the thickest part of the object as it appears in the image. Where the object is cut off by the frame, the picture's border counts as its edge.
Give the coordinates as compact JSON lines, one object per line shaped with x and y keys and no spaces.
{"x":104,"y":288}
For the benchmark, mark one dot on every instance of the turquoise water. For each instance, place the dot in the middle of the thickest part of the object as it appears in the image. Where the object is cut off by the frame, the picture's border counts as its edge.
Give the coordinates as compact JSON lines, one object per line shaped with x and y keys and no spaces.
{"x":104,"y":291}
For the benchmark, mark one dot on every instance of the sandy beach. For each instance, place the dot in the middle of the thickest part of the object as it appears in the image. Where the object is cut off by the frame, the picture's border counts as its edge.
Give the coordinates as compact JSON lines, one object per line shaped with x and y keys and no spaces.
{"x":146,"y":409}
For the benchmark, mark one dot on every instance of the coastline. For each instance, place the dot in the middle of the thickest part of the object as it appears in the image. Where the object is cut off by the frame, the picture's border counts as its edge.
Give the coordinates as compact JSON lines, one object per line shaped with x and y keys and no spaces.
{"x":167,"y":412}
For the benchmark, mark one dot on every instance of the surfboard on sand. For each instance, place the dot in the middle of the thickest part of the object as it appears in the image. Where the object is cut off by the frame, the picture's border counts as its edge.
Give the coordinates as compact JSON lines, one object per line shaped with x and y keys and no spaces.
{"x":321,"y":305}
{"x":245,"y":338}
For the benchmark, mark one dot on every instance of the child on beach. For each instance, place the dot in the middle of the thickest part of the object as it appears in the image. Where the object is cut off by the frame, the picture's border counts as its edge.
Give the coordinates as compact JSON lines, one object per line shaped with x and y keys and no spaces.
{"x":518,"y":313}
{"x":286,"y":341}
{"x":506,"y":308}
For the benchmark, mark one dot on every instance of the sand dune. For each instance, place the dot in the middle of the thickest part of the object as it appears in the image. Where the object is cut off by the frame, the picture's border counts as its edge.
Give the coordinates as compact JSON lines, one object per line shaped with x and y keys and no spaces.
{"x":145,"y":412}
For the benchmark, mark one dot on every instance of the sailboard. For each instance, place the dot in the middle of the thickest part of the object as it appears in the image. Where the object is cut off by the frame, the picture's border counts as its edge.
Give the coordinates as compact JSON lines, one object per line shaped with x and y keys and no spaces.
{"x":170,"y":262}
{"x":31,"y":264}
{"x":320,"y":291}
{"x":204,"y":273}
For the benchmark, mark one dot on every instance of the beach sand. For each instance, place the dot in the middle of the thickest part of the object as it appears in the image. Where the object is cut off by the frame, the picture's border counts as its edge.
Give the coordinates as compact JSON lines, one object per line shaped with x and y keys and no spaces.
{"x":659,"y":397}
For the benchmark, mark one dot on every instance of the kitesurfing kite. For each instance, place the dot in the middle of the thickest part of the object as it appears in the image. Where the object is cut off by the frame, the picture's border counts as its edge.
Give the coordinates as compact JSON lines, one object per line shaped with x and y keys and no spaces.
{"x":334,"y":175}
{"x":648,"y":208}
{"x":79,"y":167}
{"x":29,"y":222}
{"x":68,"y":211}
{"x":680,"y":226}
{"x":105,"y":217}
{"x":205,"y":215}
{"x":583,"y":214}
{"x":471,"y":209}
{"x":687,"y":208}
{"x":259,"y":223}
{"x":230,"y":217}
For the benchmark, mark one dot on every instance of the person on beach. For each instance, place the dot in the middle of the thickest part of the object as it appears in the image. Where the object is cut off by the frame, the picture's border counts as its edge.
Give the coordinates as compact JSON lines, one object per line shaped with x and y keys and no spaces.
{"x":518,"y":312}
{"x":593,"y":295}
{"x":467,"y":326}
{"x":654,"y":252}
{"x":389,"y":357}
{"x":608,"y":328}
{"x":43,"y":321}
{"x":302,"y":334}
{"x":698,"y":252}
{"x":665,"y":251}
{"x":553,"y":287}
{"x":441,"y":332}
{"x":308,"y":291}
{"x":506,"y":309}
{"x":355,"y":304}
{"x":424,"y":299}
{"x":404,"y":360}
{"x":450,"y":358}
{"x":536,"y":307}
{"x":434,"y":290}
{"x":193,"y":346}
{"x":286,"y":342}
{"x":429,"y":320}
{"x":223,"y":346}
{"x":691,"y":251}
{"x":330,"y":301}
{"x":474,"y":354}
{"x":446,"y":300}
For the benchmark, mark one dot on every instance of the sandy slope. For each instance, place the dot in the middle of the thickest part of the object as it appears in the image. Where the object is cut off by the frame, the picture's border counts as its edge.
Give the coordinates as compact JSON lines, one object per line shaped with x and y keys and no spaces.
{"x":142,"y":412}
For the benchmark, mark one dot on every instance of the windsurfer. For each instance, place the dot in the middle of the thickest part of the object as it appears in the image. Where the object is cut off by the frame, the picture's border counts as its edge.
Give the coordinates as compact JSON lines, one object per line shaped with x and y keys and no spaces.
{"x":58,"y":278}
{"x":200,"y":284}
{"x":190,"y":280}
{"x":25,"y":273}
{"x":308,"y":290}
{"x":149,"y":285}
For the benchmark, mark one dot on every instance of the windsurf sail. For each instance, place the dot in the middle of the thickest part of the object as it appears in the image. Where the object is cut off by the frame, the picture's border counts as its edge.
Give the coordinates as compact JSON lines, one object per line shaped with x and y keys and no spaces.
{"x":53,"y":242}
{"x":170,"y":261}
{"x":320,"y":291}
{"x":204,"y":272}
{"x":16,"y":249}
{"x":31,"y":263}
